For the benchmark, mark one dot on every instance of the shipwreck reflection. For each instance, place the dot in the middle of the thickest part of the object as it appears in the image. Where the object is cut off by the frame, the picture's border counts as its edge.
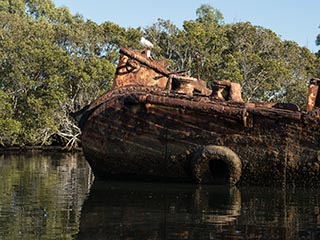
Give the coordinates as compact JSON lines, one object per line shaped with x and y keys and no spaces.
{"x":116,"y":210}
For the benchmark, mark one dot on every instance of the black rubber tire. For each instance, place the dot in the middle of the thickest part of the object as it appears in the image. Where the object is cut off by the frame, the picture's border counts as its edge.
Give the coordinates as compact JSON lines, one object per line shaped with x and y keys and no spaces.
{"x":206,"y":156}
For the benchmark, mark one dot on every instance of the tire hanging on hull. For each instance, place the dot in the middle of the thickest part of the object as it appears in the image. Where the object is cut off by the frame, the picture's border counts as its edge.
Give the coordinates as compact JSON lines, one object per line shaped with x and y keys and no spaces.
{"x":215,"y":165}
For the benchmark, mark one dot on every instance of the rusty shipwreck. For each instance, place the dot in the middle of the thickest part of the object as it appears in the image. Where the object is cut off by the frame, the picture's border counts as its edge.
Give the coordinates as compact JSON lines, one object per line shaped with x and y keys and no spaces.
{"x":160,"y":125}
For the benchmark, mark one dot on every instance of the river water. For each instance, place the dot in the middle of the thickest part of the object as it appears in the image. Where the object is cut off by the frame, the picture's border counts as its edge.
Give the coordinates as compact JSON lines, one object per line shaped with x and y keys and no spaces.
{"x":54,"y":196}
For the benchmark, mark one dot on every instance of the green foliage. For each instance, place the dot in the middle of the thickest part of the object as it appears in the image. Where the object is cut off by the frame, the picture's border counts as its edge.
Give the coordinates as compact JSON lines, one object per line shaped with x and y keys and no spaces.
{"x":256,"y":50}
{"x":207,"y":13}
{"x":10,"y":127}
{"x":52,"y":63}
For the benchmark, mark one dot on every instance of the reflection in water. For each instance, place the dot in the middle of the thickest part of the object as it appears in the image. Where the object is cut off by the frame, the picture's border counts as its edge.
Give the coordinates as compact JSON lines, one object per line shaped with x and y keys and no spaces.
{"x":115,"y":210}
{"x":157,"y":211}
{"x":42,"y":197}
{"x":273,"y":213}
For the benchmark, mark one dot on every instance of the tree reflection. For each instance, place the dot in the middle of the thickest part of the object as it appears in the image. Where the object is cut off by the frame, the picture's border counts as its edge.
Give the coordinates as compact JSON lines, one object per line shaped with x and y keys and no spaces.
{"x":41,"y":196}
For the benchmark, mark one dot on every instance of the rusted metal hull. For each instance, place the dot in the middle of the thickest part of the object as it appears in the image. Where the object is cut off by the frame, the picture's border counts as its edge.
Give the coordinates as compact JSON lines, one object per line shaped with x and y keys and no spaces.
{"x":140,"y":132}
{"x":157,"y":124}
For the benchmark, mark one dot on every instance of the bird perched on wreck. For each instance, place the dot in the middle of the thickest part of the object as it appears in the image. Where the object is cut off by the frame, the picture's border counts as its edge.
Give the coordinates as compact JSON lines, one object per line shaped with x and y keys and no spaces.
{"x":147,"y":44}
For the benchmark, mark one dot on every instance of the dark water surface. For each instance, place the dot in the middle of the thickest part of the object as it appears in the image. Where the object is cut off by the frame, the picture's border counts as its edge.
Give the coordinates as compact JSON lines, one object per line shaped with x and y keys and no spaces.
{"x":54,"y":197}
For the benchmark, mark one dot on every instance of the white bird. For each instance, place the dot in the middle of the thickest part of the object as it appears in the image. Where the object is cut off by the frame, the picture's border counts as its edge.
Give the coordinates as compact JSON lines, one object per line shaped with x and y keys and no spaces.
{"x":144,"y":42}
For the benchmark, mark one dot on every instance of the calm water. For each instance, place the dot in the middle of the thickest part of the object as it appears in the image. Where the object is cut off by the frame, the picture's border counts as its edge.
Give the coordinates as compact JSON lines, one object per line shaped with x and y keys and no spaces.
{"x":54,"y":197}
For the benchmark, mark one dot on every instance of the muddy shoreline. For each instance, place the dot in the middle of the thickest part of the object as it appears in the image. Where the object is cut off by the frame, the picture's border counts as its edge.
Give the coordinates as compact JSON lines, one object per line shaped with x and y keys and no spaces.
{"x":24,"y":149}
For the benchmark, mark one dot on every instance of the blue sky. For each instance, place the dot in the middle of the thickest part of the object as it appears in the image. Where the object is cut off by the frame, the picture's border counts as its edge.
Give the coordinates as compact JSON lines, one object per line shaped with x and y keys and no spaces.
{"x":296,"y":20}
